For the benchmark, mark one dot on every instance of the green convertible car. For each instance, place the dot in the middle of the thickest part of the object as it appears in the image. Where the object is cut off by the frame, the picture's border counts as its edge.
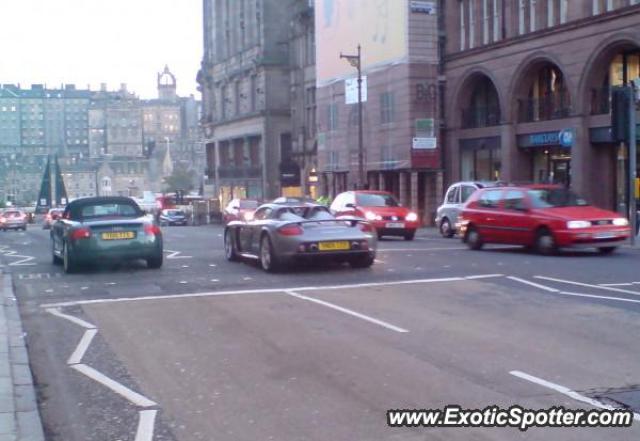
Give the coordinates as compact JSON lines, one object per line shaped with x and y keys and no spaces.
{"x":108,"y":228}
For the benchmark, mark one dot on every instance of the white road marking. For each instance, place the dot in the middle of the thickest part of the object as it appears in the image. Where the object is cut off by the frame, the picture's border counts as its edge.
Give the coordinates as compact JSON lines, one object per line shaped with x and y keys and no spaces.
{"x":384,"y":250}
{"x":82,"y":347}
{"x":615,"y":284}
{"x":185,"y":266}
{"x":265,"y":291}
{"x":212,"y":265}
{"x":215,"y":280}
{"x":23,"y":260}
{"x":379,"y":261}
{"x":146,"y":425}
{"x":84,"y":288}
{"x":484,"y":276}
{"x":183,"y":282}
{"x":606,"y":288}
{"x":247,"y":278}
{"x":576,"y":294}
{"x":71,"y":318}
{"x":176,"y":255}
{"x":134,"y":397}
{"x":536,"y":285}
{"x":566,"y":391}
{"x":348,"y":312}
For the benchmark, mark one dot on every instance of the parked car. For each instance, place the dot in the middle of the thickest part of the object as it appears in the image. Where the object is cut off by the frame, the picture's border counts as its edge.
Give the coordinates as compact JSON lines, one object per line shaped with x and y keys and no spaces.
{"x":381,"y":209}
{"x":544,"y":217}
{"x":13,"y":220}
{"x":51,"y":217}
{"x":279,"y":234}
{"x":107,"y":228}
{"x":239,"y":209}
{"x":454,"y":199}
{"x":173,"y":217}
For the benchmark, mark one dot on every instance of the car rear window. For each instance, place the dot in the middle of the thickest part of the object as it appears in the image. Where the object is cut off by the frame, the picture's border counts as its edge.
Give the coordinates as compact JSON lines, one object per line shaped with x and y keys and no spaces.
{"x":248,"y":205}
{"x":105,"y":210}
{"x":175,"y":212}
{"x":490,"y":199}
{"x":376,"y":200}
{"x":12,"y":214}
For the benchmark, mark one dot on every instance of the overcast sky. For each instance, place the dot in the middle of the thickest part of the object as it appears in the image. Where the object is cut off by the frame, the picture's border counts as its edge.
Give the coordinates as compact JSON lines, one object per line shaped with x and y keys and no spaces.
{"x":101,"y":41}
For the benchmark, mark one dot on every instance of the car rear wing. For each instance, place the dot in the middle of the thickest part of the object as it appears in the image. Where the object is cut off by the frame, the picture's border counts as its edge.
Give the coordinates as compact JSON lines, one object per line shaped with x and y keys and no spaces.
{"x":352,"y":220}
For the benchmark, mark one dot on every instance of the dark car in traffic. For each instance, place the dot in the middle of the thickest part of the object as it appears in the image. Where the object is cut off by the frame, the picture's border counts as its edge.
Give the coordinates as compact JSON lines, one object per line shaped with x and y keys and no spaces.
{"x":544,"y":217}
{"x":108,"y":228}
{"x":173,"y":217}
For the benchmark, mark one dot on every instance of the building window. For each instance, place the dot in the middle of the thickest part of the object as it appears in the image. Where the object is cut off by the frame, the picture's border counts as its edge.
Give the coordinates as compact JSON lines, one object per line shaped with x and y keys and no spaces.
{"x":472,"y":26}
{"x":521,"y":22}
{"x":496,"y":20}
{"x":332,"y":117}
{"x":310,"y":48}
{"x":387,"y":104}
{"x":463,"y":31}
{"x":564,"y":5}
{"x":532,"y":15}
{"x":485,"y":21}
{"x":550,"y":13}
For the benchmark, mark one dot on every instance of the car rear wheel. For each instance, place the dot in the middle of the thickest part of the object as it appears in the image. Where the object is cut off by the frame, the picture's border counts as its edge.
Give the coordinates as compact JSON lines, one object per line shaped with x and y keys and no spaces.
{"x":54,"y":258}
{"x":229,"y":248}
{"x":606,"y":250}
{"x":364,"y":261}
{"x":473,"y":239}
{"x":155,"y":262}
{"x":545,"y":243}
{"x":445,"y":228}
{"x":268,"y":259}
{"x":410,"y":235}
{"x":68,"y":260}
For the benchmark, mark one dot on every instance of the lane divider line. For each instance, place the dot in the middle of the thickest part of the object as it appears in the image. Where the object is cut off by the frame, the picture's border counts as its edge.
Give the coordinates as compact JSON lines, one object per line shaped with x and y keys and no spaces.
{"x":72,"y":319}
{"x":588,"y":285}
{"x":568,"y":392}
{"x":266,"y":291}
{"x":593,"y":296}
{"x":535,"y":285}
{"x":146,"y":425}
{"x":82,"y":347}
{"x":120,"y":389}
{"x":348,"y":312}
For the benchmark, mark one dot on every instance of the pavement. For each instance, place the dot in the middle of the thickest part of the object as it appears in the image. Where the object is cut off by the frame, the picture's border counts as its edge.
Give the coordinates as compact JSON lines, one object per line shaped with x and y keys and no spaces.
{"x":206,"y":349}
{"x":19,"y":415}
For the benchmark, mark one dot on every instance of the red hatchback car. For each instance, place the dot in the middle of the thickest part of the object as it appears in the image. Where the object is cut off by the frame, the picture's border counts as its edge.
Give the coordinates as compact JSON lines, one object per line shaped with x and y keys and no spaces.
{"x":545,"y":217}
{"x":381,"y":209}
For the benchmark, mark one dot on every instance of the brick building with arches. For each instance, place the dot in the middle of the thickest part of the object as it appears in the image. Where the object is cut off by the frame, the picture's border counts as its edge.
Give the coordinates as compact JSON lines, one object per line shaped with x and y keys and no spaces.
{"x":528,"y":91}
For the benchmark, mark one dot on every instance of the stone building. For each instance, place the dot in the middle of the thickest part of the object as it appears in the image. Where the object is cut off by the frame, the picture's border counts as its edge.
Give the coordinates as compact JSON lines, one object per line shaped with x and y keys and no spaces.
{"x":528,"y":91}
{"x":244,"y":79}
{"x":399,"y":59}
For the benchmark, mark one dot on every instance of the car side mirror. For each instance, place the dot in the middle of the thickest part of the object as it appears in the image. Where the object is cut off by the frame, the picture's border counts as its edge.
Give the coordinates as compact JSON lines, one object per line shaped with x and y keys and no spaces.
{"x":235,"y":207}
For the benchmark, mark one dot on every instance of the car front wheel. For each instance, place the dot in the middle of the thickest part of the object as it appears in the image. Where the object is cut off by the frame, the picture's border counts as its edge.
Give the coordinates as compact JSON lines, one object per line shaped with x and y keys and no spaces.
{"x":606,"y":250}
{"x":155,"y":262}
{"x":229,"y":247}
{"x":545,"y":243}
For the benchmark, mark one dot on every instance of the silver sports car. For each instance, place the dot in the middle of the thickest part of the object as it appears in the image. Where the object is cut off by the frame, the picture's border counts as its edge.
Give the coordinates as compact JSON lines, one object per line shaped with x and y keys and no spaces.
{"x":287,"y":232}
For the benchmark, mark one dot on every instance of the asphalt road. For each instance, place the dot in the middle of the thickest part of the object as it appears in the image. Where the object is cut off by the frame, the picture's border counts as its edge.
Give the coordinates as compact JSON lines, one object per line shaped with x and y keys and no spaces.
{"x":204,"y":349}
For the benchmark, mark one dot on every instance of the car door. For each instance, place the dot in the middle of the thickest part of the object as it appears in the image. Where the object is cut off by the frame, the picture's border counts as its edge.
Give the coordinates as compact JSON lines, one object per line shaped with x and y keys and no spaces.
{"x":487,"y":216}
{"x":517,"y":221}
{"x":58,"y":230}
{"x":254,"y":228}
{"x":451,"y":204}
{"x":245,"y":231}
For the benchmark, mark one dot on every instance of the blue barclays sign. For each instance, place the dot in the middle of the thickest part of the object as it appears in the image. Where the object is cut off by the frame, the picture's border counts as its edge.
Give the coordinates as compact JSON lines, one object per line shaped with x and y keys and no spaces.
{"x":564,"y":138}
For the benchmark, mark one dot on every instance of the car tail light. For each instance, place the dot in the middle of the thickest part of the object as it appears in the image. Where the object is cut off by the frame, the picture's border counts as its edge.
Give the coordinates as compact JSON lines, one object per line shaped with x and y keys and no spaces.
{"x":151,"y":230}
{"x":80,"y":233}
{"x":290,"y":230}
{"x":366,"y":228}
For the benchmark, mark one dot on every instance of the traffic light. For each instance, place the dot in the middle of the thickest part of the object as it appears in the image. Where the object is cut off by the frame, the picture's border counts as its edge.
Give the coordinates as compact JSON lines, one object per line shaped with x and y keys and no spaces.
{"x":620,"y":97}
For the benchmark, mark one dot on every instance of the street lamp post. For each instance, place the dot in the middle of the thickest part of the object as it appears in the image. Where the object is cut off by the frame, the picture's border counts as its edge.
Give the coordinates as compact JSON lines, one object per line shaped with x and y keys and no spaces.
{"x":356,"y":61}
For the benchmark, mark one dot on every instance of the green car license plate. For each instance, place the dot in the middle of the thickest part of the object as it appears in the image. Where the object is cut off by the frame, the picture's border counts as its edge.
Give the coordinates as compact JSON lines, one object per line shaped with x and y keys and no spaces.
{"x":118,"y":235}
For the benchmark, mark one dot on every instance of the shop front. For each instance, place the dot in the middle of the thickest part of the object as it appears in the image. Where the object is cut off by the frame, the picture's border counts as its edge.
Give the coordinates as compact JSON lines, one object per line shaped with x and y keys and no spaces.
{"x":549,"y":155}
{"x":480,"y":159}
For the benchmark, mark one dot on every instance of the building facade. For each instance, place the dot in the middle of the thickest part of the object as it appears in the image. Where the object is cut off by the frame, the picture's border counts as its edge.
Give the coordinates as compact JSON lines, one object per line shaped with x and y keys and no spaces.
{"x":528,"y":91}
{"x":400,"y":66}
{"x":244,"y":80}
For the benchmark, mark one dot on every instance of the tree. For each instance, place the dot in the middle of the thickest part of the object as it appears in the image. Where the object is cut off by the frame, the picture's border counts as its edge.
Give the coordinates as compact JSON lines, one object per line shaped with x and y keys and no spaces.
{"x":180,"y":179}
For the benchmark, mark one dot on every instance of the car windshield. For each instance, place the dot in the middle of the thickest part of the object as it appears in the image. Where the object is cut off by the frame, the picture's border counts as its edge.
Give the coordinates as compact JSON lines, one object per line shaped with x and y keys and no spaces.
{"x":12,"y":214}
{"x":106,"y":210}
{"x":248,"y":205}
{"x":175,"y":213}
{"x":376,"y":200}
{"x":555,"y":197}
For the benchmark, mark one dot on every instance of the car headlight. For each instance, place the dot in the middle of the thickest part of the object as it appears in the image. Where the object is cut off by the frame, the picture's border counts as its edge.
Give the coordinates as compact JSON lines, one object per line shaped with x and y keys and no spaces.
{"x":370,"y":216}
{"x":620,"y":222}
{"x":248,"y":216}
{"x":578,"y":224}
{"x":411,"y":217}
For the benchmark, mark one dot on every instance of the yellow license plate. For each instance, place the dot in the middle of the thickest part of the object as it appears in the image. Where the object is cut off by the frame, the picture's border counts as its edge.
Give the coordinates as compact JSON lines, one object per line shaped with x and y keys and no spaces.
{"x":334,"y":246}
{"x":120,"y":235}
